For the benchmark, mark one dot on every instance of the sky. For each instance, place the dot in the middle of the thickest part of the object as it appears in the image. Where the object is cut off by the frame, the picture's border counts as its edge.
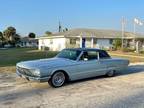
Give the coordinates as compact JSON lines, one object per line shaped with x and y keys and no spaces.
{"x":39,"y":16}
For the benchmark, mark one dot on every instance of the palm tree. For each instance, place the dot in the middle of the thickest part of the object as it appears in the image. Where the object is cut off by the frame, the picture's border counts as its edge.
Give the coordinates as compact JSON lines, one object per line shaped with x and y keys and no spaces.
{"x":10,"y":36}
{"x":9,"y":33}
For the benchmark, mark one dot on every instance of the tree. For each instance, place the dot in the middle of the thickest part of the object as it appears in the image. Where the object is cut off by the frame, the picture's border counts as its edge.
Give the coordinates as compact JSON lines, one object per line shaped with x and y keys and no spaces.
{"x":117,"y":43}
{"x":9,"y":33}
{"x":17,"y":37}
{"x":1,"y":36}
{"x":10,"y":36}
{"x":48,"y":33}
{"x":66,"y":29}
{"x":1,"y":39}
{"x":32,"y":35}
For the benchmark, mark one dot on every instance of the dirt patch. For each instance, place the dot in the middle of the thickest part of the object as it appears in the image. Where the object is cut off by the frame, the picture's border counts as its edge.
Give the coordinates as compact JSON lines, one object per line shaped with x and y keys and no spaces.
{"x":8,"y":69}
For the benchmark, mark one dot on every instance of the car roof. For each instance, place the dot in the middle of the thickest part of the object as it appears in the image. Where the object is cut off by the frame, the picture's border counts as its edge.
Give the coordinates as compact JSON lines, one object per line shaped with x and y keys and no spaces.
{"x":84,"y":49}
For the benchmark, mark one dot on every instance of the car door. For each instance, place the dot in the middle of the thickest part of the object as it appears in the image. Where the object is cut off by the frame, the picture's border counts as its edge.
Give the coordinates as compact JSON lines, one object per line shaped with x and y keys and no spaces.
{"x":89,"y":65}
{"x":106,"y":60}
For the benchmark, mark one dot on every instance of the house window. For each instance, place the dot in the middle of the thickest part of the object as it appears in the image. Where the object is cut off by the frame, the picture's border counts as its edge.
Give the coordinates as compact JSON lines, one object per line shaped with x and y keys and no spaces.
{"x":95,"y":41}
{"x":25,"y":43}
{"x":51,"y":41}
{"x":111,"y":41}
{"x":72,"y":41}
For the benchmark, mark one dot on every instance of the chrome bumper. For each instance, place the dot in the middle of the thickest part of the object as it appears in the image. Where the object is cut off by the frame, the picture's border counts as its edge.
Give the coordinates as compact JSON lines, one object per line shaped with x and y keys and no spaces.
{"x":37,"y":79}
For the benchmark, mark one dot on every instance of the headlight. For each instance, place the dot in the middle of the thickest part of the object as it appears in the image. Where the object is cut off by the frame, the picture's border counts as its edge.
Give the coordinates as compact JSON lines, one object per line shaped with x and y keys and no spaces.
{"x":35,"y":72}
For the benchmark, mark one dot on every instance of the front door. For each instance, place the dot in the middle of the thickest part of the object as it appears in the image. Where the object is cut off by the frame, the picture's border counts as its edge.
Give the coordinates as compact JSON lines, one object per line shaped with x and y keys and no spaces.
{"x":89,"y":66}
{"x":83,"y":42}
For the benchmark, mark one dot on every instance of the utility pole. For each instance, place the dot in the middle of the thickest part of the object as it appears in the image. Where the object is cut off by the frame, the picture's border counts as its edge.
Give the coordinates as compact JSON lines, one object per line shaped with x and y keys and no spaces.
{"x":134,"y":31}
{"x":123,"y":31}
{"x":60,"y":27}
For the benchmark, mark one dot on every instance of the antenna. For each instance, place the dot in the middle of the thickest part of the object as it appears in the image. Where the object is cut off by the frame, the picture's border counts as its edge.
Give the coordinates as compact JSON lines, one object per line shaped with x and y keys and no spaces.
{"x":60,"y":27}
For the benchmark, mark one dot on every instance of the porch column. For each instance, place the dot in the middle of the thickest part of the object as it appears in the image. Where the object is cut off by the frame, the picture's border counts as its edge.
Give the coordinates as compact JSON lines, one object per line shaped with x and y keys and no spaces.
{"x":92,"y":42}
{"x":137,"y":46}
{"x":126,"y":42}
{"x":80,"y":42}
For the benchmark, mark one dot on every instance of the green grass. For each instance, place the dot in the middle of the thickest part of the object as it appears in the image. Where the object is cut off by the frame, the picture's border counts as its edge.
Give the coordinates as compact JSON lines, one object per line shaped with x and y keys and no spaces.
{"x":9,"y":57}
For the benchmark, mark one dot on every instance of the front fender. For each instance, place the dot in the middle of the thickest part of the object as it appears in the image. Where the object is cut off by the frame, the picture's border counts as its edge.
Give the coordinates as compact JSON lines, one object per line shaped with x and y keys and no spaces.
{"x":60,"y":69}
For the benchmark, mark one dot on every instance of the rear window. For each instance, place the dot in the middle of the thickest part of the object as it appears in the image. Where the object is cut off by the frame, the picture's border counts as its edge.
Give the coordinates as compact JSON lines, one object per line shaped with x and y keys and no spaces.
{"x":103,"y":55}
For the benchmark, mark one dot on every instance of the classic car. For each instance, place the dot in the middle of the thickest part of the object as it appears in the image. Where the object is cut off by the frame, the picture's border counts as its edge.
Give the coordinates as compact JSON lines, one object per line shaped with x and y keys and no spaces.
{"x":71,"y":64}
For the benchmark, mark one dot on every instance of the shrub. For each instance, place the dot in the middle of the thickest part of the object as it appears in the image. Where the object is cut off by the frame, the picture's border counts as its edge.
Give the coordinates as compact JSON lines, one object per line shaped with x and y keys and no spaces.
{"x":128,"y":50}
{"x":117,"y":44}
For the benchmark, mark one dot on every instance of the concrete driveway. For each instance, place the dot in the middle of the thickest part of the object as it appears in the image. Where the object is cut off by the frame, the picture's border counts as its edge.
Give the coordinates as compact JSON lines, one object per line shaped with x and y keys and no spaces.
{"x":125,"y":90}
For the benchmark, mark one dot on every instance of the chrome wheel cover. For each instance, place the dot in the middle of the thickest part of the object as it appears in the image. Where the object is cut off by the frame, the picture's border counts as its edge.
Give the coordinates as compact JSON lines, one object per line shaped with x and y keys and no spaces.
{"x":58,"y":79}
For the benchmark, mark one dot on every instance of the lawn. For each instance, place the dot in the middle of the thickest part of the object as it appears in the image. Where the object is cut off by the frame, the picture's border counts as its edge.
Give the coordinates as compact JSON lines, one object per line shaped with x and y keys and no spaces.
{"x":9,"y":57}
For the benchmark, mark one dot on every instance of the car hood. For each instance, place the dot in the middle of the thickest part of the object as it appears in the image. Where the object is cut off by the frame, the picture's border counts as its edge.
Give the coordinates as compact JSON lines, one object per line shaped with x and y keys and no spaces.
{"x":49,"y":63}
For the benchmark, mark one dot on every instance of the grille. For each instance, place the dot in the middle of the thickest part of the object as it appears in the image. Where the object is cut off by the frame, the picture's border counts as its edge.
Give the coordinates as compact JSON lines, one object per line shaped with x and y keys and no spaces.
{"x":24,"y":71}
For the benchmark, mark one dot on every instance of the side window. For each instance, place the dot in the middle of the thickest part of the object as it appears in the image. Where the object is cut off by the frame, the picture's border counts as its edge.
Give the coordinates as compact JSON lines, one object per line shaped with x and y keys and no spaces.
{"x":92,"y":55}
{"x":103,"y":55}
{"x":84,"y":56}
{"x":89,"y":55}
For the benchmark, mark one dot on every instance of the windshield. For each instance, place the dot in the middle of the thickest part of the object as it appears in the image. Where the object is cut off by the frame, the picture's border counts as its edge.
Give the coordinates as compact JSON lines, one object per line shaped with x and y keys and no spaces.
{"x":69,"y":54}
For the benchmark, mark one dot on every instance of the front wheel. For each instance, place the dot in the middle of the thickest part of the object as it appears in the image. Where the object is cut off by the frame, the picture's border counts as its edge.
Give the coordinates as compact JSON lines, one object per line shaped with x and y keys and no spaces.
{"x":57,"y":79}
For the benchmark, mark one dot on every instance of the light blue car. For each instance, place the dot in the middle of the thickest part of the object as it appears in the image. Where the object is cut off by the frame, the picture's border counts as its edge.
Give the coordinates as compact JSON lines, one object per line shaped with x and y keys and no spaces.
{"x":69,"y":65}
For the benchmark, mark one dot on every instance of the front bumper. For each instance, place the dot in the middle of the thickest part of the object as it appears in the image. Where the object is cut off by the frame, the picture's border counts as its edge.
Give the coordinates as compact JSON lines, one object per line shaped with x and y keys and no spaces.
{"x":37,"y":79}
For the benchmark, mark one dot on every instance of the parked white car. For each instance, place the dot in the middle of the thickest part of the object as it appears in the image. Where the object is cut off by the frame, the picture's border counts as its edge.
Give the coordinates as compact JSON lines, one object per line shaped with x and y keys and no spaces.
{"x":69,"y":65}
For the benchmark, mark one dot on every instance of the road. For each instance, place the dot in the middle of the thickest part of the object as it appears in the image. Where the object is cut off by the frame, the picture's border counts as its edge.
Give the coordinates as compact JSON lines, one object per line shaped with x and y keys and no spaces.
{"x":125,"y":90}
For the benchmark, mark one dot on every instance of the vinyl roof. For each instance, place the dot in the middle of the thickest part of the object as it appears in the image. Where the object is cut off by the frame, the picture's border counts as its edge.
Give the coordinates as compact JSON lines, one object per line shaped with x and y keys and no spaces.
{"x":84,"y":49}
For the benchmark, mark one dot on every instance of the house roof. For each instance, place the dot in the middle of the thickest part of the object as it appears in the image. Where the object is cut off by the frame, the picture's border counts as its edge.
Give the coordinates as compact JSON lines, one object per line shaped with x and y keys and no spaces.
{"x":96,"y":33}
{"x":27,"y":39}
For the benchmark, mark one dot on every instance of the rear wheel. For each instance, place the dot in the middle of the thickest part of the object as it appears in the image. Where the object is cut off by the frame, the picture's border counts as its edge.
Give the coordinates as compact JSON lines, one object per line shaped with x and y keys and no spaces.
{"x":57,"y":79}
{"x":111,"y":73}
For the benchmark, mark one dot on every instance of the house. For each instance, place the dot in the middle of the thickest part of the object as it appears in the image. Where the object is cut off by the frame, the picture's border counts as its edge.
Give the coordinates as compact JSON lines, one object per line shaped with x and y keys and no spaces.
{"x":28,"y":42}
{"x":90,"y":38}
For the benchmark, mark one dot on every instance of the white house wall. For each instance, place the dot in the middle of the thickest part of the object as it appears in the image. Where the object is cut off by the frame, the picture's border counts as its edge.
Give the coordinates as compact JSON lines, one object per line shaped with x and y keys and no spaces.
{"x":68,"y":45}
{"x":59,"y":44}
{"x":103,"y":43}
{"x":55,"y":44}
